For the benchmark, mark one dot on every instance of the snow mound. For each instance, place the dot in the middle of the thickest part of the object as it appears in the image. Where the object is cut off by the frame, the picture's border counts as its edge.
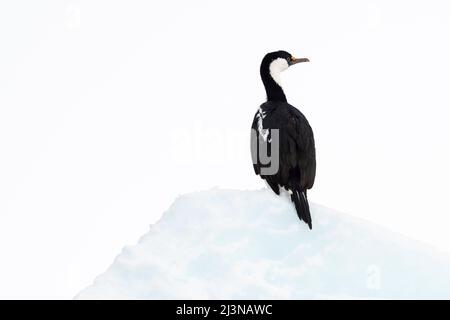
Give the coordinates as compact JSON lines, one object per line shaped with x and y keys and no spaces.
{"x":224,"y":244}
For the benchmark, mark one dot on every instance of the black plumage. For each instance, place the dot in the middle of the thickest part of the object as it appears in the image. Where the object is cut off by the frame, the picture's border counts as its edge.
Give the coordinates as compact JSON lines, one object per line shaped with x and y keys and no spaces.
{"x":297,"y":156}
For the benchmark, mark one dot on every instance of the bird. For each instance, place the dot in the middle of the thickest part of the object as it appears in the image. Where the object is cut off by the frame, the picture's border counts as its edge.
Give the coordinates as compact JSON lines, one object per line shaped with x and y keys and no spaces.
{"x":295,"y":146}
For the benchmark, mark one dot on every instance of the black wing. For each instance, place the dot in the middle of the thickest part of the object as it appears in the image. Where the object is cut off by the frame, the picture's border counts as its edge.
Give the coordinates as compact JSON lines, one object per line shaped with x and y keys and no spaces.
{"x":301,"y":153}
{"x":297,"y":164}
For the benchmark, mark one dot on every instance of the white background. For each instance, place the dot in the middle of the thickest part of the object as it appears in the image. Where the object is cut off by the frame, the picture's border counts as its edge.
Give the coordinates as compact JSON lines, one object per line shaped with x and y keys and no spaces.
{"x":109,"y":110}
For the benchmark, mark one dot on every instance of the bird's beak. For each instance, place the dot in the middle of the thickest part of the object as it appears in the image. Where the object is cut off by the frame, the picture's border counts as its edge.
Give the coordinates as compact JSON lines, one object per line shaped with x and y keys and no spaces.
{"x":298,"y":60}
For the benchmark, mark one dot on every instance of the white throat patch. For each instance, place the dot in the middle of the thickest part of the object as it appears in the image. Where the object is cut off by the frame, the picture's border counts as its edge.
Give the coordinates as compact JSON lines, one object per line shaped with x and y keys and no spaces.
{"x":276,"y":67}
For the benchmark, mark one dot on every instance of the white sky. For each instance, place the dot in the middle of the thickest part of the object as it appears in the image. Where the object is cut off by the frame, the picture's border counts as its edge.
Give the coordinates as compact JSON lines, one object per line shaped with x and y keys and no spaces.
{"x":109,"y":110}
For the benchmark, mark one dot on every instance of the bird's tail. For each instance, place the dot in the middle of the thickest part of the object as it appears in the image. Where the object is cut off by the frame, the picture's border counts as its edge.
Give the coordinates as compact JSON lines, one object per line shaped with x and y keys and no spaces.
{"x":301,"y":206}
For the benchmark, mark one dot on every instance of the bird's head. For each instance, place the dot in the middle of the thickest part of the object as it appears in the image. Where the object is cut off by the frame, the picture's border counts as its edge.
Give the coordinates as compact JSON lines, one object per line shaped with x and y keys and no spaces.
{"x":282,"y":58}
{"x":278,"y":61}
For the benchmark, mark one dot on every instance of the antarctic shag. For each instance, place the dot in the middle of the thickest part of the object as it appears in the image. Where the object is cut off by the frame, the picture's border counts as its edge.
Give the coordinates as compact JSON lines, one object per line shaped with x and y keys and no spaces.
{"x":283,"y":150}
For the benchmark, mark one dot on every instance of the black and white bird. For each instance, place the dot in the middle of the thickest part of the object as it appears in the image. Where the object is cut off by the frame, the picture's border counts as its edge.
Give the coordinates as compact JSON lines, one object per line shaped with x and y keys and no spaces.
{"x":296,"y":152}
